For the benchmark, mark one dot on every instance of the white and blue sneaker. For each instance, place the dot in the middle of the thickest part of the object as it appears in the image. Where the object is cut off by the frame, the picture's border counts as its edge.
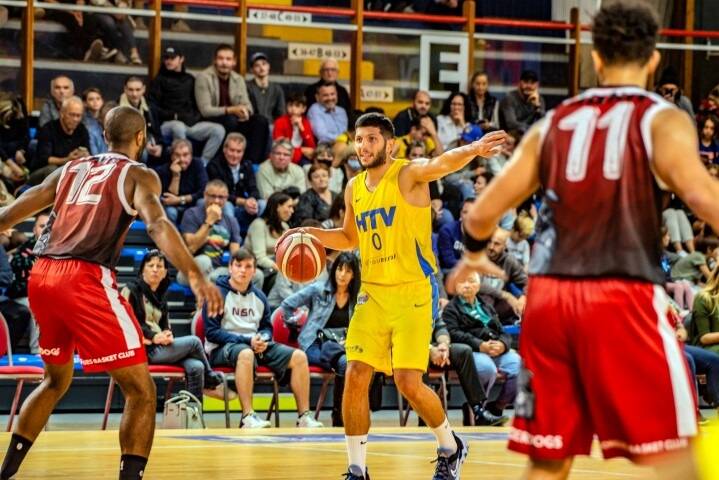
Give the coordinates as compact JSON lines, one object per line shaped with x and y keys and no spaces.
{"x":448,"y":468}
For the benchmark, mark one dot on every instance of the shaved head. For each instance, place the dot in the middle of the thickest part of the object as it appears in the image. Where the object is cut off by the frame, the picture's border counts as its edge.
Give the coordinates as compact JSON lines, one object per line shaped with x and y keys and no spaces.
{"x":122,"y":125}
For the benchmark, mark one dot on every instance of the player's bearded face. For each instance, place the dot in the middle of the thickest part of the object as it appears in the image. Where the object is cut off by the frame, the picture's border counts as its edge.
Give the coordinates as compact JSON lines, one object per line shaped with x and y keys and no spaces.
{"x":374,"y":159}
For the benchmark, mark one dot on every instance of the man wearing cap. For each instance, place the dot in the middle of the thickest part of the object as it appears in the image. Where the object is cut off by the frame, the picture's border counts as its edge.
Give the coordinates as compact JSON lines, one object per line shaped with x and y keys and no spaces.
{"x":524,"y":106}
{"x":172,"y":95}
{"x":221,"y":96}
{"x":267,"y":97}
{"x":329,"y":72}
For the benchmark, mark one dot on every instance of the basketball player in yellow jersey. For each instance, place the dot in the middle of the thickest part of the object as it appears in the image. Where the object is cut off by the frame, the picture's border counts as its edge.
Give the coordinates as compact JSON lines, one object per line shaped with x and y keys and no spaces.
{"x":388,"y":217}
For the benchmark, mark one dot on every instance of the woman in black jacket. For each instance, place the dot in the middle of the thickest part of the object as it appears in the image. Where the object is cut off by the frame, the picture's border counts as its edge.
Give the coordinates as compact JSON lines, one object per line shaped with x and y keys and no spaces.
{"x":147,"y":298}
{"x":473,"y":322}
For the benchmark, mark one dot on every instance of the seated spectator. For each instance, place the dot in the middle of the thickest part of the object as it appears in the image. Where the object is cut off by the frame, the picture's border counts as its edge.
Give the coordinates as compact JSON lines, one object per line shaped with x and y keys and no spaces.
{"x":264,"y":231}
{"x":449,"y":240}
{"x":336,"y":215}
{"x":316,"y":201}
{"x":221,"y":96}
{"x":524,"y":106}
{"x":81,"y":45}
{"x":21,"y":262}
{"x":705,"y":315}
{"x":517,"y":244}
{"x":708,"y":146}
{"x":480,"y":183}
{"x":680,"y":290}
{"x":329,"y":72}
{"x":242,"y":337}
{"x":324,"y":155}
{"x":476,"y":324}
{"x":330,"y":303}
{"x":352,"y":167}
{"x":295,"y":126}
{"x":146,"y":295}
{"x":16,"y":315}
{"x":60,"y":141}
{"x":93,"y":102}
{"x":447,"y":355}
{"x":14,"y":140}
{"x":420,"y":107}
{"x":515,"y":285}
{"x":278,"y":172}
{"x":668,"y":87}
{"x":228,"y":166}
{"x":183,"y":180}
{"x":267,"y":97}
{"x":485,"y":107}
{"x":134,"y":96}
{"x":172,"y":94}
{"x":61,"y":88}
{"x":496,"y":163}
{"x":696,"y":267}
{"x":456,"y":113}
{"x":208,"y":231}
{"x":327,"y":119}
{"x":421,"y":130}
{"x":116,"y":32}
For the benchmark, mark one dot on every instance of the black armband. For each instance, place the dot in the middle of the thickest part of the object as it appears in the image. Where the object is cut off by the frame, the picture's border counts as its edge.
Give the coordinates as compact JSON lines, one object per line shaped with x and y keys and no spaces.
{"x":473,"y":245}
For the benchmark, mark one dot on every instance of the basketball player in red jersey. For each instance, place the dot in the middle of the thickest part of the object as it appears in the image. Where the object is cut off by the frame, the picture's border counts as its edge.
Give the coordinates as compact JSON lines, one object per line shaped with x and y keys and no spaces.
{"x":72,"y":288}
{"x":599,"y":355}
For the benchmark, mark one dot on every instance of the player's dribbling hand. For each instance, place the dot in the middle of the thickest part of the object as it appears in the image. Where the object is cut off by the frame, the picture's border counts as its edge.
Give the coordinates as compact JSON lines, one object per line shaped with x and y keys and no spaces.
{"x":489,"y":145}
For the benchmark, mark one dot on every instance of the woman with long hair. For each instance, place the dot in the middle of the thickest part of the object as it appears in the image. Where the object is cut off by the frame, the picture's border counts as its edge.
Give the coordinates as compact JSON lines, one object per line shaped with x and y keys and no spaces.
{"x":263,"y":232}
{"x":330,"y":304}
{"x":706,"y":314}
{"x":456,"y":113}
{"x":485,"y":107}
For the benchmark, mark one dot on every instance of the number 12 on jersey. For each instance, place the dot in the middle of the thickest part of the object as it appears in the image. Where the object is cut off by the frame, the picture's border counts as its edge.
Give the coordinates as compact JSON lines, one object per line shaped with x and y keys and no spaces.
{"x":583,"y":123}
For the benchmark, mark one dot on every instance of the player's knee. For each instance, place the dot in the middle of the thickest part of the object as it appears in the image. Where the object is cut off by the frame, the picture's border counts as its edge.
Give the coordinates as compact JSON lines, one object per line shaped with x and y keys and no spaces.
{"x":58,"y":384}
{"x":408,"y":382}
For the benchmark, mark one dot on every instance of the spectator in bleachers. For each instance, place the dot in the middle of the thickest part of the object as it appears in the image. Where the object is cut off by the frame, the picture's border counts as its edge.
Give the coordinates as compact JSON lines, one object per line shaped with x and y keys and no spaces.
{"x":327,"y":119}
{"x":278,"y":172}
{"x":680,"y":228}
{"x":81,"y":45}
{"x":420,"y":107}
{"x":524,"y":106}
{"x":116,"y":33}
{"x":485,"y":107}
{"x":421,"y":129}
{"x":316,"y":201}
{"x":517,"y":244}
{"x":221,"y":96}
{"x":244,"y":201}
{"x":134,"y":96}
{"x":496,"y":163}
{"x":680,"y":290}
{"x":60,"y":141}
{"x":329,"y":72}
{"x":183,"y":180}
{"x":447,"y":355}
{"x":696,"y":267}
{"x":352,"y":166}
{"x":472,"y":322}
{"x":706,"y":315}
{"x":514,"y":285}
{"x":701,"y":361}
{"x":295,"y":126}
{"x":264,"y":231}
{"x":172,"y":94}
{"x":242,"y":337}
{"x":324,"y":154}
{"x":93,"y":102}
{"x":267,"y":97}
{"x":14,"y":139}
{"x":330,"y":303}
{"x":708,"y":146}
{"x":21,"y":262}
{"x":61,"y":88}
{"x":209,"y":232}
{"x":16,"y":315}
{"x":146,"y":295}
{"x":668,"y":87}
{"x":449,"y":240}
{"x":480,"y":183}
{"x":336,"y":215}
{"x":456,"y":113}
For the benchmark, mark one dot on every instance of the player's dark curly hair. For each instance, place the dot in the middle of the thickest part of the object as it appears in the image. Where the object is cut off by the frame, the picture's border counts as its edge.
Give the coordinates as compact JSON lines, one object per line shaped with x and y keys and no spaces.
{"x":378,"y":120}
{"x":625,"y":31}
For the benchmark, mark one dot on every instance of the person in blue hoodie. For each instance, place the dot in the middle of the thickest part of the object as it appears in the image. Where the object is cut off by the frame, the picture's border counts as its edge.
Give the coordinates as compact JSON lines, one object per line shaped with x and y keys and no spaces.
{"x":242,"y":337}
{"x":449,"y":240}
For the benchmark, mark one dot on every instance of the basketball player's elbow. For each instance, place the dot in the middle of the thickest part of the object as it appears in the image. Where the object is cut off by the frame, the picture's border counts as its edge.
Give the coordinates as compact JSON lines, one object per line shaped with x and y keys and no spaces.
{"x":157,"y":227}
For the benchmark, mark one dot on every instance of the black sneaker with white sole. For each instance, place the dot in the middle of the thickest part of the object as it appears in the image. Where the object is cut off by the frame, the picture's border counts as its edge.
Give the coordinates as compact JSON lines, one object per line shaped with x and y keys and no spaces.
{"x":448,"y":468}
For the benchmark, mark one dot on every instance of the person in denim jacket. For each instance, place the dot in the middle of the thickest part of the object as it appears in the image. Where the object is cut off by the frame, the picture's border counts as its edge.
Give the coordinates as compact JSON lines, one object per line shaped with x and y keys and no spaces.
{"x":330,"y":304}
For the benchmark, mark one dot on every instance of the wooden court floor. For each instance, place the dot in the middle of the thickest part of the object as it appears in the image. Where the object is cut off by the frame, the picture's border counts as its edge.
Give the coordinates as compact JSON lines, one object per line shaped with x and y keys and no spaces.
{"x":286,"y":453}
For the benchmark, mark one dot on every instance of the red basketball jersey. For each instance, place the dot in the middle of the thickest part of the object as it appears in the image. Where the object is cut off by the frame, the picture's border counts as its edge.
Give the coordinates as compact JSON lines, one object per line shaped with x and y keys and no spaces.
{"x":91,"y":215}
{"x":601,"y":215}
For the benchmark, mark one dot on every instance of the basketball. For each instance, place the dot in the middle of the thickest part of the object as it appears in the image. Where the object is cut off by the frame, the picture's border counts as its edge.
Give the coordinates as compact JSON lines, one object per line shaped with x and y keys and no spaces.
{"x":300,"y":257}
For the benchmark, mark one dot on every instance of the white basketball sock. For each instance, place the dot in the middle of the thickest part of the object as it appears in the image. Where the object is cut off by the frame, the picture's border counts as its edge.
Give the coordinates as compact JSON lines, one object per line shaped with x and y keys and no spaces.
{"x":357,"y":450}
{"x":445,"y":440}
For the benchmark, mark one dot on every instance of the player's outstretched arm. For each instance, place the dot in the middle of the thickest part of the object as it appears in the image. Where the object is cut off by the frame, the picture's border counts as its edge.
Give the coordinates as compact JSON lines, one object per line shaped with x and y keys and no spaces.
{"x":426,"y":170}
{"x":675,"y":160}
{"x":341,"y":239}
{"x":32,"y":201}
{"x":146,"y":200}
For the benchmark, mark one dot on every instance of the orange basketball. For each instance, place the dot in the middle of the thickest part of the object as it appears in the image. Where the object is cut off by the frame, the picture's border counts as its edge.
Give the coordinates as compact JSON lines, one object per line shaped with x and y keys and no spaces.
{"x":300,"y":257}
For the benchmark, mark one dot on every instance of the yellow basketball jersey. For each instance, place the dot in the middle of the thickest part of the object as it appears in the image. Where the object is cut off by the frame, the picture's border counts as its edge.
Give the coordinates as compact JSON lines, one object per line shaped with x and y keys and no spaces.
{"x":395,"y":237}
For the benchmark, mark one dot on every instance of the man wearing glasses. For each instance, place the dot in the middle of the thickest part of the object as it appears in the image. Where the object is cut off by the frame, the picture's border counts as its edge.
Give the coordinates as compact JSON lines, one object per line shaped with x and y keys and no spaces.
{"x":209,"y":232}
{"x":329,"y":71}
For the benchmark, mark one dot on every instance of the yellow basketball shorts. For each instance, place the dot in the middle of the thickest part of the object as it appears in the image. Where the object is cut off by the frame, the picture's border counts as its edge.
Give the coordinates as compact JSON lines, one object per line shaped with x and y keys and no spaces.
{"x":391,"y":327}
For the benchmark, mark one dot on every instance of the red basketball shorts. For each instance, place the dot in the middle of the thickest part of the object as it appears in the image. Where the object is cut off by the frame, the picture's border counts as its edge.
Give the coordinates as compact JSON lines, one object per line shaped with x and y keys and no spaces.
{"x":600,"y":357}
{"x":77,"y":306}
